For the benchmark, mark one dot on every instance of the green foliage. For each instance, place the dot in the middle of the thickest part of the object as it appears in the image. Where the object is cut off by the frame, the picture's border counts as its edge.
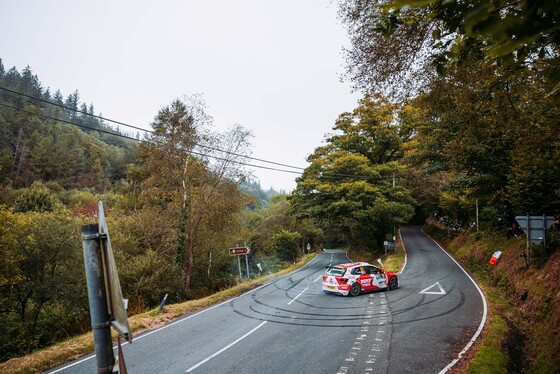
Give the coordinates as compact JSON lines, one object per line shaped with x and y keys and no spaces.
{"x":35,"y":148}
{"x":490,"y":357}
{"x":348,"y":188}
{"x":37,"y":198}
{"x":398,"y":45}
{"x":287,"y":245}
{"x":43,"y":296}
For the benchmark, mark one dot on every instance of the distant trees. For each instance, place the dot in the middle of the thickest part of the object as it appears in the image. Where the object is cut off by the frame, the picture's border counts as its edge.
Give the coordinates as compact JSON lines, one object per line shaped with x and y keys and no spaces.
{"x":35,"y":148}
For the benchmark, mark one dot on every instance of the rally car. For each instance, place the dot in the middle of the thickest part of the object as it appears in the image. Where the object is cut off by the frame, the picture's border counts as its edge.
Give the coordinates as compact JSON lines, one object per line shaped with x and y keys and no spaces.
{"x":353,"y":278}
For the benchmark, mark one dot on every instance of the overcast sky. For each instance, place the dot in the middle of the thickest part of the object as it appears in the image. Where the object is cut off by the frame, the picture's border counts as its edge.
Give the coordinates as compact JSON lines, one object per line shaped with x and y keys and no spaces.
{"x":270,"y":66}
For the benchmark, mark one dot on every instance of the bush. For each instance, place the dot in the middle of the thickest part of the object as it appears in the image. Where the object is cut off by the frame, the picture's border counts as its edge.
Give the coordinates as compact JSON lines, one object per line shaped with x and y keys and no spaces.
{"x":286,"y":244}
{"x":37,"y":198}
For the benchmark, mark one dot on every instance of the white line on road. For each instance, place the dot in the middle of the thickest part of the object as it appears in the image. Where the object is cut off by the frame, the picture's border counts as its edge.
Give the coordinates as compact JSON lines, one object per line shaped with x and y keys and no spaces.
{"x":186,"y":318}
{"x":298,"y":295}
{"x":225,"y":348}
{"x":319,"y":277}
{"x":484,"y":311}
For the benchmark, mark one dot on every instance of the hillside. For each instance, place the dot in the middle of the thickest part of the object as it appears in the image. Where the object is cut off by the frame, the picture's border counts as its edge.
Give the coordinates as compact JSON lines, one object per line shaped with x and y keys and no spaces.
{"x":524,"y":302}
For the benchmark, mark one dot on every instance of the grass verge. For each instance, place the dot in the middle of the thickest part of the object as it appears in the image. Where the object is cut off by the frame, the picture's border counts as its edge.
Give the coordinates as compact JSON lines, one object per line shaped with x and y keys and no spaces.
{"x":75,"y":347}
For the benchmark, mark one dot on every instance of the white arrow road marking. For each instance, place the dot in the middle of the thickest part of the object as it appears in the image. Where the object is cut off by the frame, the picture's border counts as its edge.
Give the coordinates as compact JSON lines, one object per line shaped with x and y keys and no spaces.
{"x":440,"y":292}
{"x":225,"y":348}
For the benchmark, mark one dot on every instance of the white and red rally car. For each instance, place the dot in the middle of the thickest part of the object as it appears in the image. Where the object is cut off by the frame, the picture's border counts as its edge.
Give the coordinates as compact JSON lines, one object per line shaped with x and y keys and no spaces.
{"x":353,"y":278}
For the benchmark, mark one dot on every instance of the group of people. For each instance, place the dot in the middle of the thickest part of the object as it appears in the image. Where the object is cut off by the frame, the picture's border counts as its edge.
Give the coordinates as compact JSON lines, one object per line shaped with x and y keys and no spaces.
{"x":445,"y":221}
{"x":512,"y":228}
{"x":513,"y":231}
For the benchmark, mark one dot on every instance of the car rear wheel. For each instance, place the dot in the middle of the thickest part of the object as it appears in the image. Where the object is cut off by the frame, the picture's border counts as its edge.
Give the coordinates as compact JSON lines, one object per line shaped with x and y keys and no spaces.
{"x":355,"y":289}
{"x":393,"y":283}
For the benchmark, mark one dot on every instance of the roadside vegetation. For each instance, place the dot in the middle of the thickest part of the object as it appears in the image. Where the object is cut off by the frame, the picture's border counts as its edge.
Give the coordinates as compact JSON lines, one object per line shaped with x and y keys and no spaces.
{"x":522,"y":330}
{"x":456,"y":117}
{"x":77,"y":346}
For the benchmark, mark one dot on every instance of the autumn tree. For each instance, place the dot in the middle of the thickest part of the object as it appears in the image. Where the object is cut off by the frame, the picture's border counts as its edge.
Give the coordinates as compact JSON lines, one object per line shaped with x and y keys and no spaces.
{"x":397,"y":44}
{"x":353,"y":186}
{"x":483,"y":135}
{"x":42,"y":289}
{"x":184,"y":169}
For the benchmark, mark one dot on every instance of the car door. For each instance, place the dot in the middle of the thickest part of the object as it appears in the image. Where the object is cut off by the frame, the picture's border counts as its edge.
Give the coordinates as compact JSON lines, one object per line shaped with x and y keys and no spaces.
{"x":379,"y":279}
{"x":366,"y":279}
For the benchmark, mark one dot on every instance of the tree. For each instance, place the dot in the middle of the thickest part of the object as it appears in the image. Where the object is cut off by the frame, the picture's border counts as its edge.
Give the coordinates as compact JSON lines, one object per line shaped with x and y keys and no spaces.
{"x":184,"y":169}
{"x":44,"y":294}
{"x":398,"y":44}
{"x":481,"y":136}
{"x":350,"y":187}
{"x":38,"y":198}
{"x":287,"y":245}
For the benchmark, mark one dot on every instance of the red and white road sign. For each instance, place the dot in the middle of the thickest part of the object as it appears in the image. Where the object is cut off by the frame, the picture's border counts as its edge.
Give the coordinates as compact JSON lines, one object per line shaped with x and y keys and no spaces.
{"x":239,"y":251}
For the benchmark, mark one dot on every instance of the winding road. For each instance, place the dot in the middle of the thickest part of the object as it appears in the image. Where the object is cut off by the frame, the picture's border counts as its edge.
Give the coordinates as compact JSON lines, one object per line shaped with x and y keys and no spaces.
{"x":290,"y":326}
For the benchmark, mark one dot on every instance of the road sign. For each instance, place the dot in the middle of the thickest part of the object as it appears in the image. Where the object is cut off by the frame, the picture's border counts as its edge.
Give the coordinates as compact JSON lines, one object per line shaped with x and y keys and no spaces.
{"x":112,"y":284}
{"x":239,"y":251}
{"x":536,"y":227}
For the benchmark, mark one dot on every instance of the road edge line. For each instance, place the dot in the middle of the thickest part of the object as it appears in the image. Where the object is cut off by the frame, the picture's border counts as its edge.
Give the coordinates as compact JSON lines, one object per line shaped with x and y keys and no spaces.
{"x":405,"y":254}
{"x":484,"y":313}
{"x":182,"y":318}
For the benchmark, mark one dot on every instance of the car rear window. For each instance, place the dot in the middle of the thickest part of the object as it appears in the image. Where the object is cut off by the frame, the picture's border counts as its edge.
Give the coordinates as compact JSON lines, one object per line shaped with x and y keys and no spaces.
{"x":337,"y":272}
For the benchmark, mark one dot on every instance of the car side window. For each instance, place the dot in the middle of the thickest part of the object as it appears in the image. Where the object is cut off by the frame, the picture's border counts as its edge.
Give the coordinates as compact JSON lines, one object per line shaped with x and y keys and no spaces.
{"x":355,"y":271}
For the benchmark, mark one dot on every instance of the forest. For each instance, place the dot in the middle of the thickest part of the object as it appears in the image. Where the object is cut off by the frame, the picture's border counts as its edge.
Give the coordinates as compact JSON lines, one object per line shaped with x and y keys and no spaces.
{"x":456,"y":118}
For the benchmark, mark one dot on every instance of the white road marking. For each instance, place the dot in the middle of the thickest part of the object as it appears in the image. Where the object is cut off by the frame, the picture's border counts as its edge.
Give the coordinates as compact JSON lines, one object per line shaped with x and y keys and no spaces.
{"x":225,"y":348}
{"x":440,"y":292}
{"x":319,"y":277}
{"x":188,"y":317}
{"x":298,"y":295}
{"x":405,"y":254}
{"x":484,"y":311}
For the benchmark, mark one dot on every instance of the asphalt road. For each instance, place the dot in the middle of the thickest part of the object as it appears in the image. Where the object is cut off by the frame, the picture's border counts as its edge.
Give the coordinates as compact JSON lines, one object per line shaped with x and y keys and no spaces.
{"x":291,"y":326}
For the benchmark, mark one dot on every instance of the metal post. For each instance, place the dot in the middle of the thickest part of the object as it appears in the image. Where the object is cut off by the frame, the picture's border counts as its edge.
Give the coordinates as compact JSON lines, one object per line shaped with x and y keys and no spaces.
{"x":247,"y":262}
{"x":100,"y":319}
{"x":394,"y":228}
{"x":477,"y":214}
{"x":544,"y":231}
{"x":239,"y":266}
{"x":528,"y":240}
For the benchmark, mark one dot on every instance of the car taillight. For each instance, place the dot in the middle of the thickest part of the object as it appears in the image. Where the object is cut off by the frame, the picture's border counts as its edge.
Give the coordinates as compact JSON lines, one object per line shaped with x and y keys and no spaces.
{"x":325,"y":277}
{"x":342,"y":280}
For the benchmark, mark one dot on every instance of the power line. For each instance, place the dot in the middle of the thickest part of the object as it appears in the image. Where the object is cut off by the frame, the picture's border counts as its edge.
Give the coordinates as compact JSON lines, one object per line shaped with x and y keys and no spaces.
{"x":144,"y":130}
{"x":323,"y":175}
{"x":145,"y":141}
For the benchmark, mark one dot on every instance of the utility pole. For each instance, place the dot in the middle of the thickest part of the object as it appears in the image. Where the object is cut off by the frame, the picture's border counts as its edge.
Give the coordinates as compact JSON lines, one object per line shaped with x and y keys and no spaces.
{"x":394,"y":228}
{"x":477,"y":214}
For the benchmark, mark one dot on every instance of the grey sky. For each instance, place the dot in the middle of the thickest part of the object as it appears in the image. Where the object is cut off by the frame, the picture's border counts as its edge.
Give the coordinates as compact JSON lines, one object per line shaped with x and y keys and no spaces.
{"x":271,"y":66}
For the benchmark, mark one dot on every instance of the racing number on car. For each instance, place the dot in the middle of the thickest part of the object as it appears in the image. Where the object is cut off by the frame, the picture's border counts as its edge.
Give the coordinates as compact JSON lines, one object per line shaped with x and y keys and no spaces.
{"x":381,"y":280}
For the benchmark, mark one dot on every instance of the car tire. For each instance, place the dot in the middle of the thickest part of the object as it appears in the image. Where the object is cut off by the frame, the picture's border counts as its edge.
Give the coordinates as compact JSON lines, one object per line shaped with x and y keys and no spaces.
{"x":393,"y":283}
{"x":355,"y":289}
